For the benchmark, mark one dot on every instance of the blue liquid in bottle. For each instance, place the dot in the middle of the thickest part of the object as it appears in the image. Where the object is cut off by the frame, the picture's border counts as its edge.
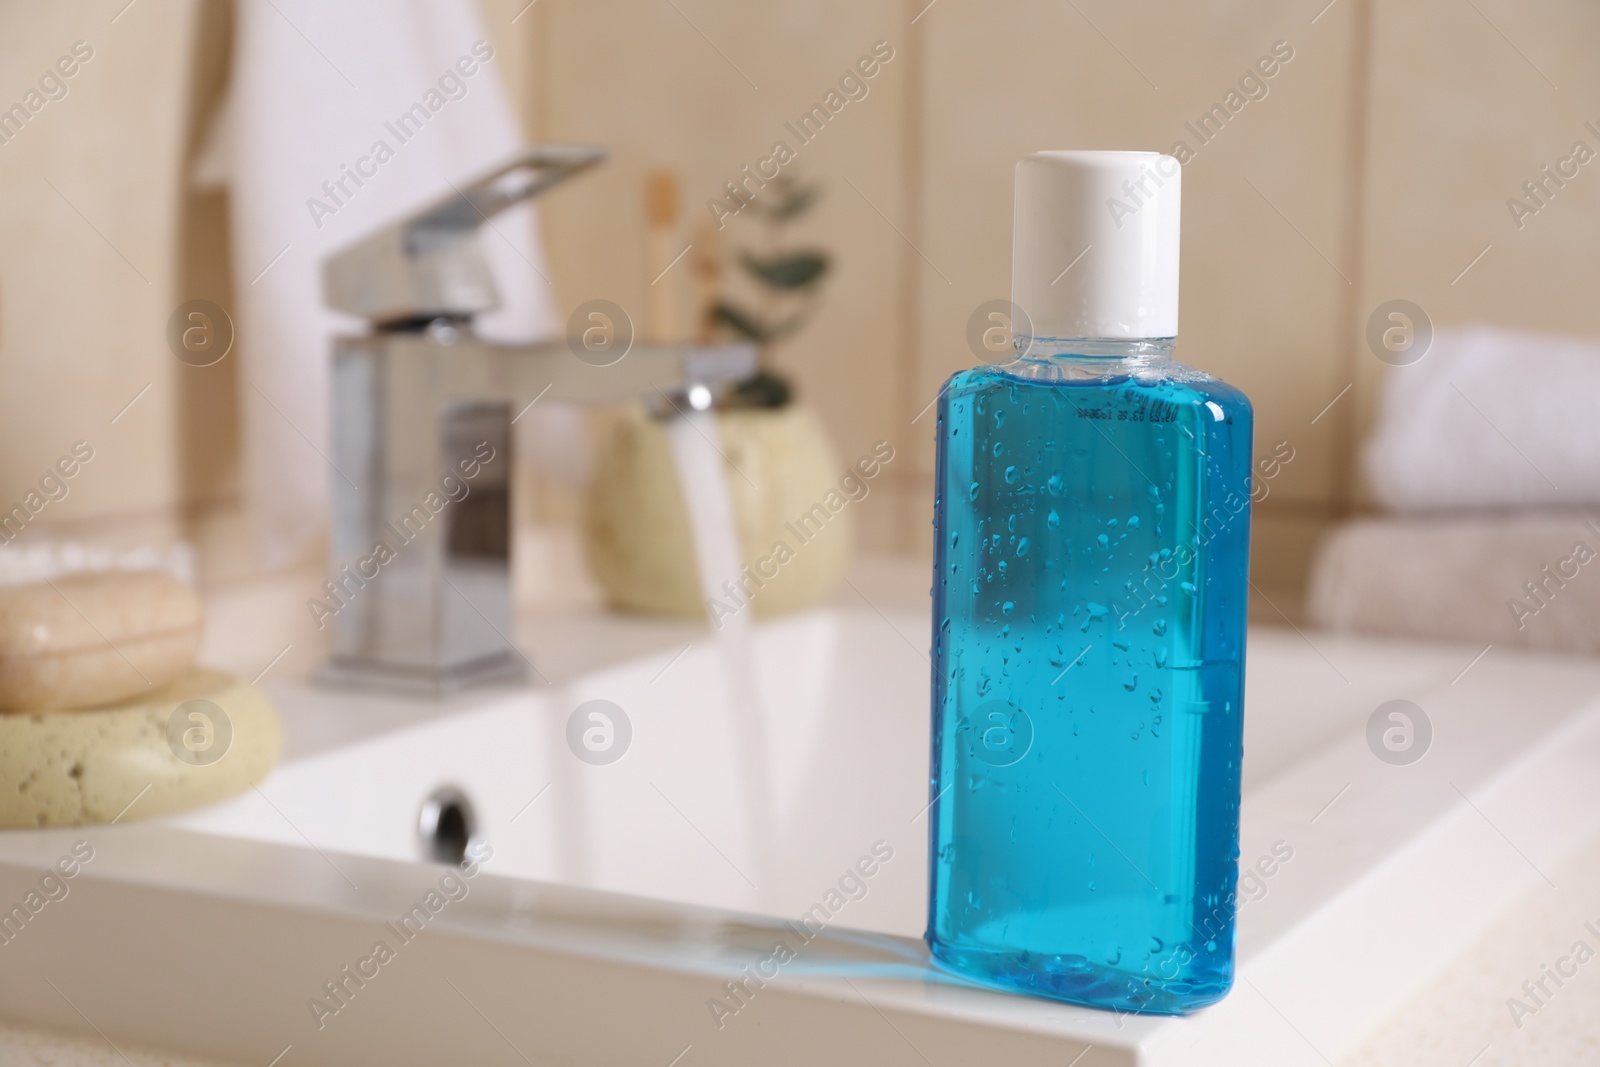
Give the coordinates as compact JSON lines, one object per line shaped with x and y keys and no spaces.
{"x":1092,"y":526}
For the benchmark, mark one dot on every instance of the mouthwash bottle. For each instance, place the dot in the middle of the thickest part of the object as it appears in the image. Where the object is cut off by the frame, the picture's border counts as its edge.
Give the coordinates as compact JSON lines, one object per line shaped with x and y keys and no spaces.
{"x":1092,"y":526}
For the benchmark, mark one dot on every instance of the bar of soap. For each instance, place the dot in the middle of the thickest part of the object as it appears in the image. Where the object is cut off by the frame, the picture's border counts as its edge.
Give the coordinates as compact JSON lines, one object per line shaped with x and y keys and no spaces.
{"x":87,"y":640}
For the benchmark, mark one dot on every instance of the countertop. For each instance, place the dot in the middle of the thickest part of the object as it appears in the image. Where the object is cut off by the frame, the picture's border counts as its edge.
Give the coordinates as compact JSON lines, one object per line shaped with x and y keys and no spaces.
{"x":1462,"y":1016}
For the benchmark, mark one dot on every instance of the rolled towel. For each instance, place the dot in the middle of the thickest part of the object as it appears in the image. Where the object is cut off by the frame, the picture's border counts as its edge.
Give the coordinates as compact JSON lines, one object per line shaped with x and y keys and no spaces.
{"x":1489,"y":418}
{"x":1528,"y":580}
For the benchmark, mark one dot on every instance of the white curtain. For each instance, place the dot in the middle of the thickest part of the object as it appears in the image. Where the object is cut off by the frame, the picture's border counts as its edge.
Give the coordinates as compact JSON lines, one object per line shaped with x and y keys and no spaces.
{"x":318,"y":92}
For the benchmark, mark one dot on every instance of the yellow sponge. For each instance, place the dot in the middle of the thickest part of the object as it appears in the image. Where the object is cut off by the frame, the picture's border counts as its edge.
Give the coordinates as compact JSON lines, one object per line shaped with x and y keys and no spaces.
{"x":205,"y":737}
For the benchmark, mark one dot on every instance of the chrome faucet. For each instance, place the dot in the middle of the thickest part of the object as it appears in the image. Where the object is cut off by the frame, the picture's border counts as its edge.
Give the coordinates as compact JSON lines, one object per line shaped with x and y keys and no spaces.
{"x":419,"y":591}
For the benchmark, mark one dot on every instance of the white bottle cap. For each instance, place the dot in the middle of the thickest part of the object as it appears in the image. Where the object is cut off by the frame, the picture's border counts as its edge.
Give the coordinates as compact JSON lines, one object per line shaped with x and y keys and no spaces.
{"x":1095,"y":245}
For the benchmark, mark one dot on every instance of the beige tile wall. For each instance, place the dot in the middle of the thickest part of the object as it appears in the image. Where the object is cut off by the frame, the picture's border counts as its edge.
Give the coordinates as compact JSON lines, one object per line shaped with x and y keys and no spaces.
{"x":1377,"y":166}
{"x":705,"y":89}
{"x":1469,"y":101}
{"x":89,"y":258}
{"x":918,"y":212}
{"x":1262,"y":305}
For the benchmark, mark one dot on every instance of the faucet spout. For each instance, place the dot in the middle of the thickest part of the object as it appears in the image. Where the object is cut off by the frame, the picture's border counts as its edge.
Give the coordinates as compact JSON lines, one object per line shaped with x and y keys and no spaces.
{"x":550,"y":371}
{"x":419,"y":592}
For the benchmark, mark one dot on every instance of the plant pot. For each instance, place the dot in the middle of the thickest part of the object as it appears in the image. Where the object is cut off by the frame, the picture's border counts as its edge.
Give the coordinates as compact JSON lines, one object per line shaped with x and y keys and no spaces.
{"x":780,"y":467}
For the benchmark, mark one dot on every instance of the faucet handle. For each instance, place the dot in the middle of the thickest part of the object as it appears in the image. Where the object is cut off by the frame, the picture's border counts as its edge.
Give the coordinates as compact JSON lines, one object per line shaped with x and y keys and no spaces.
{"x":428,"y":264}
{"x":521,"y":178}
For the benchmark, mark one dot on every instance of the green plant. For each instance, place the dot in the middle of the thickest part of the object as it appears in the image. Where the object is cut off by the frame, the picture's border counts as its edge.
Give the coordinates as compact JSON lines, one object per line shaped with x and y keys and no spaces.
{"x":788,"y":279}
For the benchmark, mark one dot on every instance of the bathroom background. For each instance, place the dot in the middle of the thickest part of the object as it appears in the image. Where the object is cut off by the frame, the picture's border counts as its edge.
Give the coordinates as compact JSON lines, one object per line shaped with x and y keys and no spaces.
{"x":1374,"y":164}
{"x":1390,"y":208}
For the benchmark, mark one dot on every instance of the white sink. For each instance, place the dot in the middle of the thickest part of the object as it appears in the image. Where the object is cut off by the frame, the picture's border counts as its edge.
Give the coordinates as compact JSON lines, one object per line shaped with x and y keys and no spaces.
{"x":846,"y":717}
{"x":621,"y":898}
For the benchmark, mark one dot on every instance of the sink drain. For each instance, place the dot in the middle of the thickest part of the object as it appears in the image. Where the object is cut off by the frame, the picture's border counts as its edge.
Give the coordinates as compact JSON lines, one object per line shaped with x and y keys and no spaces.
{"x":446,"y":826}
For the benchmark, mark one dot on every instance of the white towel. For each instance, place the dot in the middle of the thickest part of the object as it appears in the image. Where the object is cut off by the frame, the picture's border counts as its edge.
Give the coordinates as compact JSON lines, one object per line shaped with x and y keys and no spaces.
{"x":316,"y":88}
{"x":1529,"y":580}
{"x":1489,"y":418}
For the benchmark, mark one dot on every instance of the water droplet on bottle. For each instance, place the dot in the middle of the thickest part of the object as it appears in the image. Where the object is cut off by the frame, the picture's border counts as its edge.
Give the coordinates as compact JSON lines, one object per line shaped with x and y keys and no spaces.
{"x":1053,"y":485}
{"x":1022,"y":546}
{"x":1052,"y":520}
{"x":1132,"y":683}
{"x":1011,"y":474}
{"x":1160,"y":628}
{"x":1008,"y":607}
{"x":1105,"y":542}
{"x":1133,"y":522}
{"x":972,"y":494}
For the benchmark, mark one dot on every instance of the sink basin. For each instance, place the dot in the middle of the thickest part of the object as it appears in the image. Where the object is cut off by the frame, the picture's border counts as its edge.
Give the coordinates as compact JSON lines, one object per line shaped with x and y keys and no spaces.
{"x":844,"y":764}
{"x":774,"y":790}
